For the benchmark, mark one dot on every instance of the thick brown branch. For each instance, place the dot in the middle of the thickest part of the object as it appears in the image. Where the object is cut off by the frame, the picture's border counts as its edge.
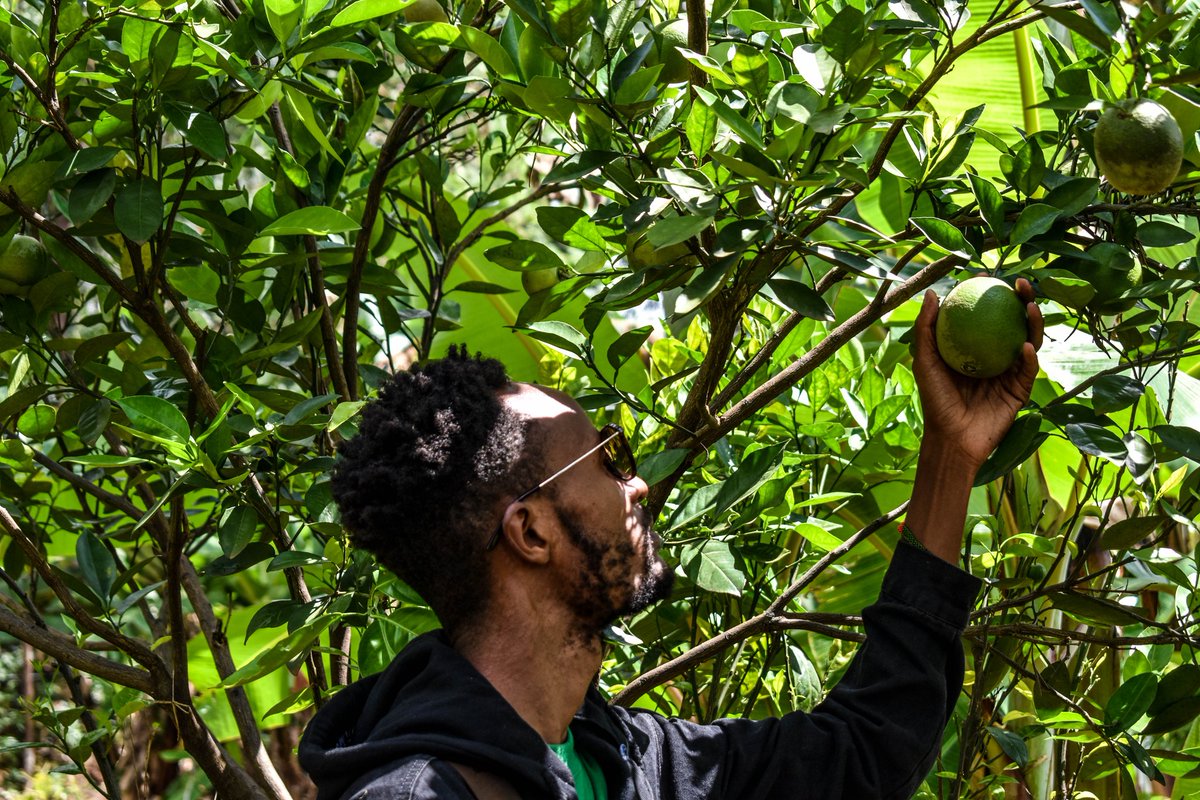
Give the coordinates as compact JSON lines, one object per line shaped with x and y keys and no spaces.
{"x":63,"y":648}
{"x":131,"y":647}
{"x":251,"y":738}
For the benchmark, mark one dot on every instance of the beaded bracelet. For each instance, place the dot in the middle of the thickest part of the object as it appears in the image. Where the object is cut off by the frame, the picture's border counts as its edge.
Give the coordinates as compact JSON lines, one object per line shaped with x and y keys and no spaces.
{"x":908,"y":536}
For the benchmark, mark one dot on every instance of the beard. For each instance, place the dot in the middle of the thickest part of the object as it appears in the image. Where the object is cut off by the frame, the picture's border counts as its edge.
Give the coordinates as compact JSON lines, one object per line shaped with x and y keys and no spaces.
{"x":615,"y":580}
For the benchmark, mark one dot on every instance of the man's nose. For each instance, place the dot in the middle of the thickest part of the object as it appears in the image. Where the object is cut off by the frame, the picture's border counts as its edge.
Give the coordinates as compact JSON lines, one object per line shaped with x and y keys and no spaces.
{"x":638,"y":488}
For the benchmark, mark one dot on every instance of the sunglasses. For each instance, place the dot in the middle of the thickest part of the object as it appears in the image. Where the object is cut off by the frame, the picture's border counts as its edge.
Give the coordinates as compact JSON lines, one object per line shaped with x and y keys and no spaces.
{"x":618,"y":460}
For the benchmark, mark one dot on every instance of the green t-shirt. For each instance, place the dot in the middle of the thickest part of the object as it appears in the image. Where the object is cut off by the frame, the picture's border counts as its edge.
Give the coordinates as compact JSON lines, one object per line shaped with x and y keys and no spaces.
{"x":589,"y":780}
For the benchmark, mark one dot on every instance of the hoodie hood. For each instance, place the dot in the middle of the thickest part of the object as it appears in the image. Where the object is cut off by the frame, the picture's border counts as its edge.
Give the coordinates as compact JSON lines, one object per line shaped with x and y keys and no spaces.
{"x":432,"y":701}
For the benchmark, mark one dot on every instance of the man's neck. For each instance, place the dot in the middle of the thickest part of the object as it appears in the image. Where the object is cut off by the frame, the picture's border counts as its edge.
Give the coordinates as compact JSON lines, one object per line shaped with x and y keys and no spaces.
{"x":541,"y":668}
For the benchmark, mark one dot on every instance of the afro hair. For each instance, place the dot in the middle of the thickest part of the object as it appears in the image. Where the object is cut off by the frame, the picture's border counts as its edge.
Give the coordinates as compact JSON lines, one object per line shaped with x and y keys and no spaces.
{"x":418,"y":484}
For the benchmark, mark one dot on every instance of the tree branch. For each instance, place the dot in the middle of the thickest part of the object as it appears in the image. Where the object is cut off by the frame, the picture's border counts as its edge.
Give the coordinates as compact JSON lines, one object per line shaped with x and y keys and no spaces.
{"x":131,"y":647}
{"x":772,"y":618}
{"x":64,"y":649}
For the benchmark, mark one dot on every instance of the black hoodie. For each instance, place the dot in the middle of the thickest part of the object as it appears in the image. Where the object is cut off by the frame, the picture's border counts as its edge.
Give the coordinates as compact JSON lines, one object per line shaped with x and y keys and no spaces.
{"x":874,"y":736}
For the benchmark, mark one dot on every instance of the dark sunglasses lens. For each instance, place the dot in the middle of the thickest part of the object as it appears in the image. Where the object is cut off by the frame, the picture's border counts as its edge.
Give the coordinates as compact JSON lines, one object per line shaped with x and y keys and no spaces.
{"x":620,"y":456}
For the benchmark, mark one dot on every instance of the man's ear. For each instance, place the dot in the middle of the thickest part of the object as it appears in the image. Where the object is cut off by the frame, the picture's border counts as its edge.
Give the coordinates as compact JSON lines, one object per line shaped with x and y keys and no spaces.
{"x":522,"y":531}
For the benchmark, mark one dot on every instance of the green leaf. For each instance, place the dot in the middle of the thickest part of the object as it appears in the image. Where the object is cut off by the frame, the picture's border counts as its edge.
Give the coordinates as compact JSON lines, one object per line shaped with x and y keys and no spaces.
{"x":701,"y":129}
{"x":1163,"y":234}
{"x":945,"y":236}
{"x":488,"y":49}
{"x":105,"y":461}
{"x":698,"y":503}
{"x":991,"y":204}
{"x":627,"y":344}
{"x":656,"y":466}
{"x":196,"y":283}
{"x":1173,"y":717}
{"x":87,"y":160}
{"x":818,"y":536}
{"x":272,"y":615}
{"x":751,"y":473}
{"x":236,"y":530}
{"x":251,"y":554}
{"x":307,"y":408}
{"x":1093,"y":610}
{"x":363,"y":10}
{"x":1128,"y":532}
{"x":138,"y":209}
{"x":1130,"y":702}
{"x":559,"y":335}
{"x":1013,"y":745}
{"x":482,"y":287}
{"x":294,"y":558}
{"x":208,"y":135}
{"x":523,"y":255}
{"x":572,"y":227}
{"x":1073,"y":196}
{"x":137,"y":36}
{"x":1181,"y":683}
{"x":1114,"y":392}
{"x":801,"y":298}
{"x":90,"y":194}
{"x":673,"y":230}
{"x":96,"y":563}
{"x":711,"y":564}
{"x":1183,"y":440}
{"x":736,"y":122}
{"x":343,"y":413}
{"x":1095,"y":440}
{"x":314,"y":220}
{"x":308,"y":118}
{"x":157,"y":417}
{"x":1035,"y":219}
{"x":37,"y":422}
{"x":129,"y":601}
{"x":570,"y":19}
{"x":271,"y":659}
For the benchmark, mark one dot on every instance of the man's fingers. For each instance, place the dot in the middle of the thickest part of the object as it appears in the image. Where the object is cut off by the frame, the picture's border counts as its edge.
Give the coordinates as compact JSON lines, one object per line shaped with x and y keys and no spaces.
{"x":1037,"y":325}
{"x":1029,"y":368}
{"x":923,"y":329}
{"x":1025,"y":290}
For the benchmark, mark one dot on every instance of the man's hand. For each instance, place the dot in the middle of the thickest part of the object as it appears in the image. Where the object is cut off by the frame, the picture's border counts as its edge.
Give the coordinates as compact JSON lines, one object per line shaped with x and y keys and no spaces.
{"x":965,"y":418}
{"x":972,"y":414}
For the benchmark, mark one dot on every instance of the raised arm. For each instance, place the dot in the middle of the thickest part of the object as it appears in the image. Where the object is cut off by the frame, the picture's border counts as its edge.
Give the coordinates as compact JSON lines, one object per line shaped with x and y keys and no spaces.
{"x":965,"y":418}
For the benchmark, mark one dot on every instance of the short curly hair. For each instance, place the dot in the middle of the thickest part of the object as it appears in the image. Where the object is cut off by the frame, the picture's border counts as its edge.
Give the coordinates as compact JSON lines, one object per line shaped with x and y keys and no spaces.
{"x":417,"y":485}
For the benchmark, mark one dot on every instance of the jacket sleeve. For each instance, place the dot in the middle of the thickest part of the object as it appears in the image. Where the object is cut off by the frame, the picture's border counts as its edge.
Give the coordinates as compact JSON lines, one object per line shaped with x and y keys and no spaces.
{"x":877,"y":732}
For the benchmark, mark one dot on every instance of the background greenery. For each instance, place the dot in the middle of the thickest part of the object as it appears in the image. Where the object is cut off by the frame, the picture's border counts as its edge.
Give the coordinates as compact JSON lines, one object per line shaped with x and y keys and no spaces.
{"x":707,"y":223}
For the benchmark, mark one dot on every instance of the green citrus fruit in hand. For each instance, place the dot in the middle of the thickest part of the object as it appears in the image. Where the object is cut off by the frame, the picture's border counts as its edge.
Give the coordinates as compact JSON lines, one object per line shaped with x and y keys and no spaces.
{"x":1114,"y":272}
{"x":1139,"y":147}
{"x":981,"y":327}
{"x":23,"y":263}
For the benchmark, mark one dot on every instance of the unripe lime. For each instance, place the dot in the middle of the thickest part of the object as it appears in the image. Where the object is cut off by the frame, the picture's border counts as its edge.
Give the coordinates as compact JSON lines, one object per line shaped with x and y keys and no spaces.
{"x":669,"y":39}
{"x":539,"y":280}
{"x":24,"y":262}
{"x":425,"y":11}
{"x":1139,"y":147}
{"x":981,"y":328}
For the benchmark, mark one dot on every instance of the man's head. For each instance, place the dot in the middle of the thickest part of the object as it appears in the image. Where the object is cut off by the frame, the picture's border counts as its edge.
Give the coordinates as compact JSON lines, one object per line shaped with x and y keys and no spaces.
{"x":435,"y":472}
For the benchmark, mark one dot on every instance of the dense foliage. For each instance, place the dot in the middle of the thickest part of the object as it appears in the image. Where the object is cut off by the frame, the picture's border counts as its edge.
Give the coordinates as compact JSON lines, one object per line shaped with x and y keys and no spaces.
{"x":705,"y":221}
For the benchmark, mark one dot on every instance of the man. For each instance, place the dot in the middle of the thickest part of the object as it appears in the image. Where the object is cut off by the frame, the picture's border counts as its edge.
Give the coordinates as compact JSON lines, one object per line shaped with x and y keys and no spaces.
{"x":522,"y":526}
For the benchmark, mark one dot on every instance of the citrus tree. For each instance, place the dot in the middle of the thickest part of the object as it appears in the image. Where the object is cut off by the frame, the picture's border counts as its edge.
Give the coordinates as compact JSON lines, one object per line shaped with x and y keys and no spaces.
{"x":225,"y":223}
